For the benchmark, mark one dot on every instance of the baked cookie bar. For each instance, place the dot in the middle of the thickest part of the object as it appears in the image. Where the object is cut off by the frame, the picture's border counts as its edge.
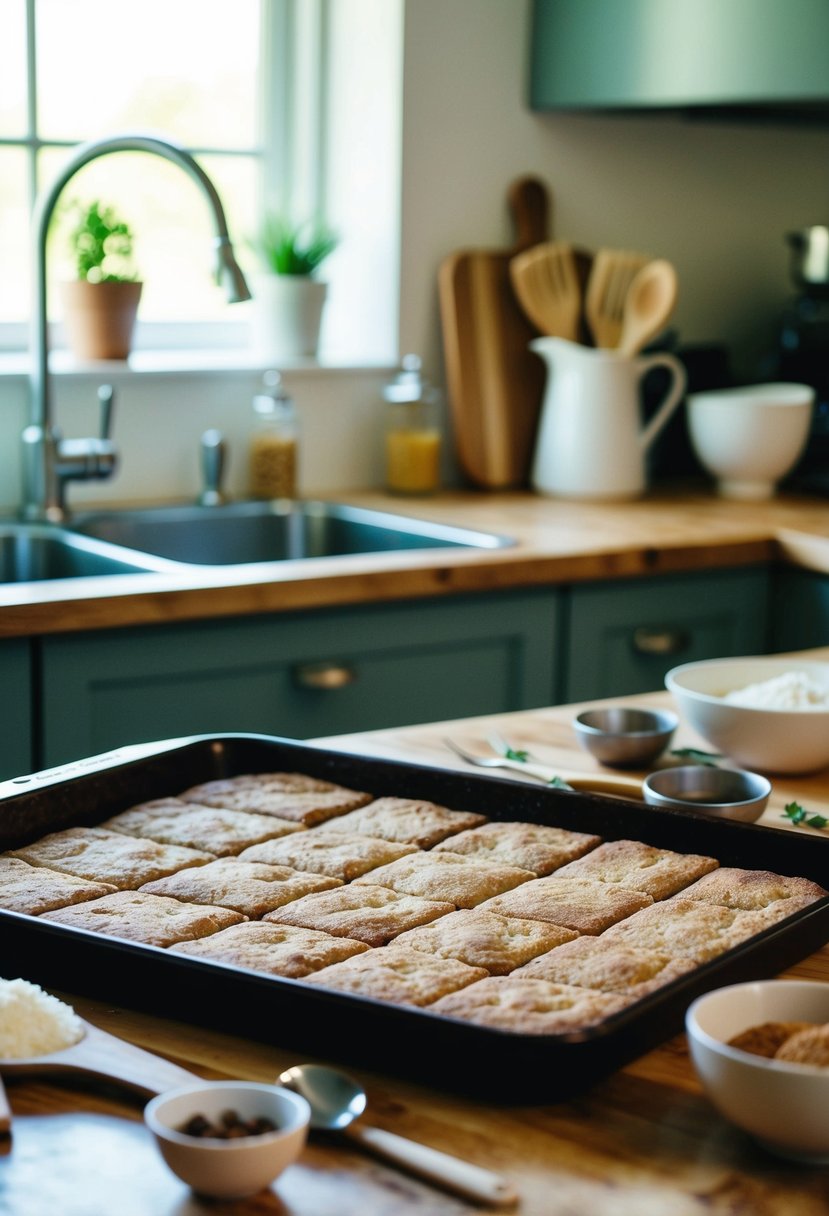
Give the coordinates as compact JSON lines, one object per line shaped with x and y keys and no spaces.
{"x":754,"y":889}
{"x":404,"y":977}
{"x":218,"y":831}
{"x":293,"y":796}
{"x":343,"y":855}
{"x":370,"y":914}
{"x":529,"y":846}
{"x":690,"y":928}
{"x":587,"y":907}
{"x":640,"y":867}
{"x":275,"y":949}
{"x":530,"y":1006}
{"x":451,"y":877}
{"x":499,"y":944}
{"x":125,"y":862}
{"x":408,"y":821}
{"x":36,"y":889}
{"x":592,"y":962}
{"x":251,"y":887}
{"x":139,"y":917}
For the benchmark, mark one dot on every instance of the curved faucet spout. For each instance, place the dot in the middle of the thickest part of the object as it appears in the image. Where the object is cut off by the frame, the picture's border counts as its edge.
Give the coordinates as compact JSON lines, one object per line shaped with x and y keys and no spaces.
{"x":48,"y":461}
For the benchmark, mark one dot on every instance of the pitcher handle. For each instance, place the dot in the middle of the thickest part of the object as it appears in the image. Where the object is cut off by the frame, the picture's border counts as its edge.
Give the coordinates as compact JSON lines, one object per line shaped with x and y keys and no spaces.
{"x":672,"y":400}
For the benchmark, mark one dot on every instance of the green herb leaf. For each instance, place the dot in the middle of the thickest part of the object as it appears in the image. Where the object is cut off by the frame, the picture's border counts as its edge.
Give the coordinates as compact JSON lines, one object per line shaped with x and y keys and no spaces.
{"x":513,"y":754}
{"x":559,"y":783}
{"x":798,"y":814}
{"x":696,"y":756}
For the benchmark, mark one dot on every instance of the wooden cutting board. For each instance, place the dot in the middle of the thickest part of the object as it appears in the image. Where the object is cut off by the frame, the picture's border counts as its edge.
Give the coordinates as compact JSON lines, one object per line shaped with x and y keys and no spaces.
{"x":494,"y":382}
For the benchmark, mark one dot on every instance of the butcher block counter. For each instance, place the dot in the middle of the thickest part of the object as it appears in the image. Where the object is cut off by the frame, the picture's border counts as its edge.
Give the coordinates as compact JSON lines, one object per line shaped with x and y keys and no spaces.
{"x":556,"y":541}
{"x":643,"y":1142}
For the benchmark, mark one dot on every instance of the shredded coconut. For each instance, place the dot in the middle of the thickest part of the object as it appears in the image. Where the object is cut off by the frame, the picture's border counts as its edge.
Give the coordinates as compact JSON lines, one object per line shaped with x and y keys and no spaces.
{"x":33,"y":1023}
{"x":791,"y":690}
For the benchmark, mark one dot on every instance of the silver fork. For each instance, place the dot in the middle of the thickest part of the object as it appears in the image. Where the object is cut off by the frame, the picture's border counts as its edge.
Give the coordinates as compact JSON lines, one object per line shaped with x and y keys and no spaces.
{"x":625,"y":787}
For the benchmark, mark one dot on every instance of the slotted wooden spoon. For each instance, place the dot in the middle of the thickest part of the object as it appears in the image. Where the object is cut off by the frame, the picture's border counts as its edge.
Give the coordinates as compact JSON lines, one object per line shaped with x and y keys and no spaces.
{"x":610,"y":277}
{"x":546,"y":281}
{"x":650,"y":300}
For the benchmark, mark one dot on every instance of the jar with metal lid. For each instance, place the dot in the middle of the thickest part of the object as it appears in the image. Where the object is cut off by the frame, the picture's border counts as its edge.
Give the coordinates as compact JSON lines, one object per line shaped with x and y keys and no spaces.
{"x":274,"y":445}
{"x":412,"y":432}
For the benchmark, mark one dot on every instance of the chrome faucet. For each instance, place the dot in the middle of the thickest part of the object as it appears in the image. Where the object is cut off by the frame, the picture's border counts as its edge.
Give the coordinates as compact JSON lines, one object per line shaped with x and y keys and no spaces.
{"x":49,"y":461}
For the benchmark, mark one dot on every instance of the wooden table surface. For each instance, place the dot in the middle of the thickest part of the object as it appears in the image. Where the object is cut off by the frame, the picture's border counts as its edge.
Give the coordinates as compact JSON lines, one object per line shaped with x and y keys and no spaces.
{"x":644,"y":1142}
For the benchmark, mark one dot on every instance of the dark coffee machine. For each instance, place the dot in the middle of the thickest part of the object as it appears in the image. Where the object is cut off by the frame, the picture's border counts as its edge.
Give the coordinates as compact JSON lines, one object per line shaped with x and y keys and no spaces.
{"x":804,"y":346}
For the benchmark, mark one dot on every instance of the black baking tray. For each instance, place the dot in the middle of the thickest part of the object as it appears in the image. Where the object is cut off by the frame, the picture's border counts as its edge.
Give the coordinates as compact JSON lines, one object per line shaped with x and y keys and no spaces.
{"x":353,"y":1030}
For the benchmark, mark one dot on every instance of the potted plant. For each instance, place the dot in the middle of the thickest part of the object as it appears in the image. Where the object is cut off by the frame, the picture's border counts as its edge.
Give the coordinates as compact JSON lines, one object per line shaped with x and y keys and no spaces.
{"x":288,"y":298}
{"x":101,"y":303}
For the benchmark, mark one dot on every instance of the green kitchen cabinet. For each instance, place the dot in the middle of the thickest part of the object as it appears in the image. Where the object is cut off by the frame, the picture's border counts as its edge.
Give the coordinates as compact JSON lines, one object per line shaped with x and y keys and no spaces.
{"x":299,"y":674}
{"x":800,"y":609}
{"x":16,"y":744}
{"x":620,"y":638}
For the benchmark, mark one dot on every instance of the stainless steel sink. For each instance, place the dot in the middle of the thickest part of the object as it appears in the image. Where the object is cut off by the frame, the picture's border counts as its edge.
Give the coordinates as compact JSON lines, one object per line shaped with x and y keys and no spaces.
{"x":244,"y":532}
{"x":35,"y":552}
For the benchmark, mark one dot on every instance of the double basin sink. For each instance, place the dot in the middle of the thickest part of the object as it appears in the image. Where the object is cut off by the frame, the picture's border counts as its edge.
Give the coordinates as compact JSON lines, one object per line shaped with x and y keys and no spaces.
{"x":173,"y":539}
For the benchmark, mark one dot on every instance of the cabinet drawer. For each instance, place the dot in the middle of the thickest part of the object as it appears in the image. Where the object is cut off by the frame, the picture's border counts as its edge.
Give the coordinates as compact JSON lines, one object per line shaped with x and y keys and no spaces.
{"x":800,"y":614}
{"x":16,"y":755}
{"x":621,"y":638}
{"x":301,"y":674}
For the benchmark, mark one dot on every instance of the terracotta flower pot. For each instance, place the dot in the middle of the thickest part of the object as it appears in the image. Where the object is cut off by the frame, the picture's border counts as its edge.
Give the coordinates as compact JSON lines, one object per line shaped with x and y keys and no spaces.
{"x":100,"y":317}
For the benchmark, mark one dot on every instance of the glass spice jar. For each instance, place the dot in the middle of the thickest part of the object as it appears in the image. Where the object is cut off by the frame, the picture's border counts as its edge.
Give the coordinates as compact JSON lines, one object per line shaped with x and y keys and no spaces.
{"x":412,"y":432}
{"x":274,"y":445}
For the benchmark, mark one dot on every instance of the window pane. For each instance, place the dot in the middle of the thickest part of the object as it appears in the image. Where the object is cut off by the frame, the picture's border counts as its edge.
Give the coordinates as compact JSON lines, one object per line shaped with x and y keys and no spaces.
{"x":187,"y":68}
{"x":171,"y":221}
{"x":14,"y":236}
{"x":12,"y":69}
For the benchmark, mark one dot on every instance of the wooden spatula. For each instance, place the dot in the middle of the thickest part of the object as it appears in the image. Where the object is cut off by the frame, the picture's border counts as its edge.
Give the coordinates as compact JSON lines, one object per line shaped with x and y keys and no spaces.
{"x":650,"y":300}
{"x":604,"y":304}
{"x":546,"y":282}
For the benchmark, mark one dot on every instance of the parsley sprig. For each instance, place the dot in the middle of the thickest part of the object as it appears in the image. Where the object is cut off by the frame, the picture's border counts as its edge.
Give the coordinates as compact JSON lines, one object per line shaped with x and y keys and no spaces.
{"x":798,"y":814}
{"x":696,"y":756}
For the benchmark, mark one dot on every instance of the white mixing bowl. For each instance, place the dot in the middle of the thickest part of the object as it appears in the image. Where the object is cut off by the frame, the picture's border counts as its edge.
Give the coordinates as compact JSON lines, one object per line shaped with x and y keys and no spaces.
{"x":749,"y":438}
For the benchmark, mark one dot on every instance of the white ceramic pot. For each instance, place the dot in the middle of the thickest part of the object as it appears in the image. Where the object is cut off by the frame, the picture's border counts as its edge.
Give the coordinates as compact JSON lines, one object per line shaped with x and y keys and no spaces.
{"x":286,"y":316}
{"x":749,"y":438}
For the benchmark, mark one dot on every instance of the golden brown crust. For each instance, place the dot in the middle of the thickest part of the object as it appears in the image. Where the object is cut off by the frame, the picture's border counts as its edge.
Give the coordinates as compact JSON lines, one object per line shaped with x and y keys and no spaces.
{"x":373,"y":915}
{"x":293,"y":796}
{"x":530,"y":1006}
{"x":248,"y":886}
{"x":640,"y":867}
{"x":591,"y":962}
{"x":688,"y":928}
{"x":751,"y":890}
{"x":408,"y":821}
{"x":450,"y":877}
{"x":139,"y":917}
{"x":499,"y":944}
{"x":275,"y":949}
{"x":529,"y":846}
{"x":404,"y":977}
{"x":99,"y":855}
{"x":587,"y":907}
{"x":343,"y":855}
{"x":213,"y":829}
{"x":35,"y":889}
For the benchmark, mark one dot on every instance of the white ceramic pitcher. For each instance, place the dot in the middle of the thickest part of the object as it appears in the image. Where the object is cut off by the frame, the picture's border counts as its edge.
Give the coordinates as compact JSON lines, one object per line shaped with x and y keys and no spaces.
{"x":591,"y":440}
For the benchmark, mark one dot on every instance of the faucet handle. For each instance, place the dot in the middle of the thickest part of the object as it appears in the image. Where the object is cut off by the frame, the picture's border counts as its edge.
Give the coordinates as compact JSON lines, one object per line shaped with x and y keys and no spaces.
{"x":214,"y":457}
{"x":106,"y":398}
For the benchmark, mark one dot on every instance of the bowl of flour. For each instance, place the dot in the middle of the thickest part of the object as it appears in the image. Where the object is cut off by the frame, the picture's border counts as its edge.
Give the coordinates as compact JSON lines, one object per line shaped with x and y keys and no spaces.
{"x":768,"y":713}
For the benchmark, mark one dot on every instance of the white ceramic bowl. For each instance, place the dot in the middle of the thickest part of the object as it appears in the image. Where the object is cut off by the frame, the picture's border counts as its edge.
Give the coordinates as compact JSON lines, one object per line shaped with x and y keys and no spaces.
{"x":749,"y":438}
{"x":229,"y":1169}
{"x":784,"y":1106}
{"x":766,"y":740}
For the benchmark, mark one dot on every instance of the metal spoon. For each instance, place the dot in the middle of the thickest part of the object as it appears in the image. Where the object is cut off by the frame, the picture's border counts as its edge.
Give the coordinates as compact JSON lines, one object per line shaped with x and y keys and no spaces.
{"x":336,"y":1100}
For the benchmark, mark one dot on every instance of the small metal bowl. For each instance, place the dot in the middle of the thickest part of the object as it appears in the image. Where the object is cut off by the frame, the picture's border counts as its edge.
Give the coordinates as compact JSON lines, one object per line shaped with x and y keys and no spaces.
{"x":726,"y":793}
{"x":623,"y":737}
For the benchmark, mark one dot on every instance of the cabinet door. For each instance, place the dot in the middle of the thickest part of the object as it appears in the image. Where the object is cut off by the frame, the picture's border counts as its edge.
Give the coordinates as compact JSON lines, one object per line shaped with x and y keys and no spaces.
{"x":299,"y":674}
{"x":16,"y":754}
{"x":621,"y":638}
{"x":800,"y":609}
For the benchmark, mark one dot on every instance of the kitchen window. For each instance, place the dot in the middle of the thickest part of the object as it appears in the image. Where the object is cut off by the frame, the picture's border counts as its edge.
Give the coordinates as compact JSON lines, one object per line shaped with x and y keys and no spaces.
{"x":253,"y":89}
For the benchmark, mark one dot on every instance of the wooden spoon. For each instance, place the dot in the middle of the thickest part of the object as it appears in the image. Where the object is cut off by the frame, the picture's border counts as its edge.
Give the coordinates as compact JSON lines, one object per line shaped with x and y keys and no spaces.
{"x":607,"y":288}
{"x":650,"y":300}
{"x":100,"y":1054}
{"x":546,"y":281}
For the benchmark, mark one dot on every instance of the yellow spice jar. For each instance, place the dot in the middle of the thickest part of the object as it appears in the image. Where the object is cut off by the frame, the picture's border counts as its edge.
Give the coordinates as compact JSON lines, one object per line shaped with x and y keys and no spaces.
{"x":412,"y":432}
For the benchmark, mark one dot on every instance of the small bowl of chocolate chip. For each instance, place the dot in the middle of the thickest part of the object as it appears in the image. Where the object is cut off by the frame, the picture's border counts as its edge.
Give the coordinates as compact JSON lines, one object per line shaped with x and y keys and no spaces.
{"x":228,"y":1139}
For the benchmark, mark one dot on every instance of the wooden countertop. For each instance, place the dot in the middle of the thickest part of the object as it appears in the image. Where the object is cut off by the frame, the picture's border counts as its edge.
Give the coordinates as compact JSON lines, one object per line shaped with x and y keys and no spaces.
{"x":644,"y":1142}
{"x":557,"y":541}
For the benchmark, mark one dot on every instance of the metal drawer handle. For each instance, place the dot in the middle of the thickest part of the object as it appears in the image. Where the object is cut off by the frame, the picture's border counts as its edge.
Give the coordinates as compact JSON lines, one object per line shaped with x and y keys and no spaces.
{"x":660,"y":641}
{"x":324,"y":676}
